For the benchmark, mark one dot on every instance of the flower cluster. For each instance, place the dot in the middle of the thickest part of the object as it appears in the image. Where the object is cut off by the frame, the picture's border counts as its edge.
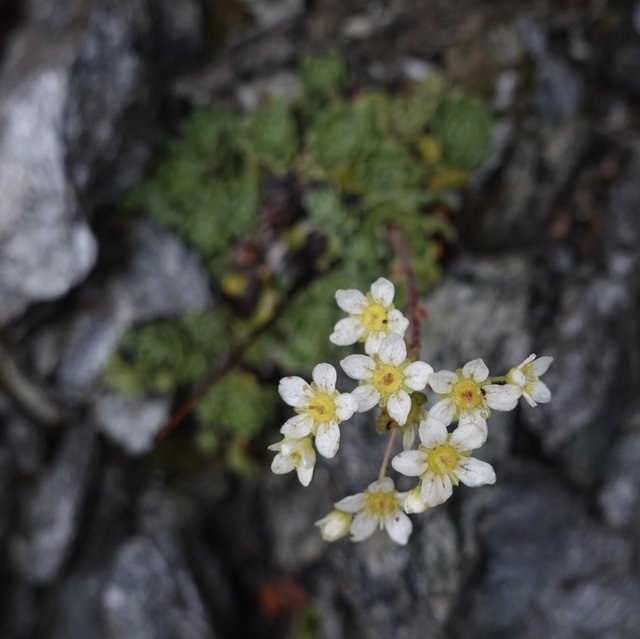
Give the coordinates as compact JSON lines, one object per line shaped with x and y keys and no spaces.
{"x":388,"y":379}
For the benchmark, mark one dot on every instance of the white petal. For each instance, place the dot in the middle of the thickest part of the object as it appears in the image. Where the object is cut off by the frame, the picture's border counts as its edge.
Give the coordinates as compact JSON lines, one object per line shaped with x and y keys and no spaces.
{"x":363,"y":526}
{"x":346,"y":332}
{"x":346,"y":405}
{"x":473,"y":472}
{"x":398,"y":406}
{"x":416,"y":375}
{"x":366,"y":396}
{"x":397,"y":323}
{"x":351,"y":504}
{"x":442,"y":382}
{"x":298,"y":426}
{"x":282,"y":464}
{"x":529,"y":359}
{"x":324,"y":375}
{"x":351,"y":300}
{"x":295,"y":391}
{"x":408,"y":437}
{"x":411,"y":463}
{"x":436,"y":489}
{"x":358,"y":366}
{"x":476,"y":370}
{"x":443,"y":411}
{"x":541,"y":365}
{"x":307,"y":454}
{"x":502,"y":396}
{"x":393,"y":350}
{"x":328,"y":439}
{"x":304,"y":475}
{"x":471,"y":432}
{"x":383,"y":485}
{"x":398,"y":526}
{"x":382,"y":291}
{"x":372,"y":344}
{"x":413,"y":502}
{"x":432,"y":432}
{"x":540,"y":393}
{"x":334,"y":525}
{"x":526,"y":395}
{"x":516,"y":376}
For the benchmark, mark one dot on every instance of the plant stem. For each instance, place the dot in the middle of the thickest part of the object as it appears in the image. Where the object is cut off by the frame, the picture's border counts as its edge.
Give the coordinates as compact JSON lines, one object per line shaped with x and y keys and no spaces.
{"x":225,"y":364}
{"x":387,"y":454}
{"x":403,"y":251}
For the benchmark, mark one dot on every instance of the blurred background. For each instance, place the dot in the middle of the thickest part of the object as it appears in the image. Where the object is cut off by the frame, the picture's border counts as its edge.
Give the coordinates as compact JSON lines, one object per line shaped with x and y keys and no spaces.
{"x":183,"y":187}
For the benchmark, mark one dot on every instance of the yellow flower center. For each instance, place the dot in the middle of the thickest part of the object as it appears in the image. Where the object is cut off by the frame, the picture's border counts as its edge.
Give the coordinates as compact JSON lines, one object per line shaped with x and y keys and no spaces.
{"x":321,"y":408}
{"x":387,"y":379}
{"x":443,"y":459}
{"x":374,"y":317}
{"x":380,"y":503}
{"x":466,"y":394}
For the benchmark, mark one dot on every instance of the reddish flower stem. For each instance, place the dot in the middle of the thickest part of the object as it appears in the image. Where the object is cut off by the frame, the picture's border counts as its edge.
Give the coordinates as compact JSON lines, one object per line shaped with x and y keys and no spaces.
{"x":387,"y":454}
{"x":403,"y":251}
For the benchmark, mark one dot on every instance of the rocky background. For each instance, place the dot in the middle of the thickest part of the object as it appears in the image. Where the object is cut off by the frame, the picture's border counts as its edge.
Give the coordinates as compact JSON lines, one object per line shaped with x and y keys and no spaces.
{"x":102,"y":538}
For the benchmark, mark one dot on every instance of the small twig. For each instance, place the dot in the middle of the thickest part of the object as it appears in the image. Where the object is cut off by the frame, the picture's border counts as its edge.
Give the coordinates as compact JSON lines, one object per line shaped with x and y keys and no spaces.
{"x":228,"y":361}
{"x":387,"y":454}
{"x":403,"y":251}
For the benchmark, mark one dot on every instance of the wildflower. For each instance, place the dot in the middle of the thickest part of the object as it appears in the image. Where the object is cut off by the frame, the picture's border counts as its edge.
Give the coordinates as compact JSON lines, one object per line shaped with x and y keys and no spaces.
{"x":334,"y":525}
{"x":320,"y":408}
{"x":371,"y":317}
{"x":379,"y":506}
{"x":527,"y":377}
{"x":387,"y":378}
{"x":442,"y":461}
{"x":416,"y":415}
{"x":467,"y":395}
{"x":294,"y":454}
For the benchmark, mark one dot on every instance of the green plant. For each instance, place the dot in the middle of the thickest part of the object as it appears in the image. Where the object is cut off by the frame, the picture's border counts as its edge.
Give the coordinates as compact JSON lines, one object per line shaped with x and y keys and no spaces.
{"x":317,"y":182}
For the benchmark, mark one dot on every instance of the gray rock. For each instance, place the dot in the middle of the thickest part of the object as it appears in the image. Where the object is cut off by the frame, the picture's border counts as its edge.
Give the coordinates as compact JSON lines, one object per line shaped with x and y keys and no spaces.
{"x":269,"y":13}
{"x":589,"y":338}
{"x":549,"y":570}
{"x":130,"y":422}
{"x":389,"y":590}
{"x":151,"y":594}
{"x":162,"y":278}
{"x":560,"y":89}
{"x":73,"y":610}
{"x":50,"y":519}
{"x":63,"y":138}
{"x":134,"y":47}
{"x":479,"y":310}
{"x":619,"y":497}
{"x":46,"y":248}
{"x":536,"y":171}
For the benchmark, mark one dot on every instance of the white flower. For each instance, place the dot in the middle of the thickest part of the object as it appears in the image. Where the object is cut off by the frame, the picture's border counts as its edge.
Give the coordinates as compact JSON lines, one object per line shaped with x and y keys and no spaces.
{"x":294,"y":454}
{"x":371,"y":317}
{"x":334,"y":525}
{"x":441,"y":461}
{"x":467,"y":395}
{"x":320,"y":408}
{"x":387,"y":378}
{"x":527,"y":377}
{"x":379,"y":506}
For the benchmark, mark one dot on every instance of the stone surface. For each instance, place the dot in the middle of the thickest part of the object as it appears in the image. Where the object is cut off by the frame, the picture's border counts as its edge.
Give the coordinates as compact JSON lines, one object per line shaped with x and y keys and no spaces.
{"x":66,"y":144}
{"x":46,"y":247}
{"x":151,"y":594}
{"x":159,"y":277}
{"x":50,"y":518}
{"x":131,"y":422}
{"x":549,"y":570}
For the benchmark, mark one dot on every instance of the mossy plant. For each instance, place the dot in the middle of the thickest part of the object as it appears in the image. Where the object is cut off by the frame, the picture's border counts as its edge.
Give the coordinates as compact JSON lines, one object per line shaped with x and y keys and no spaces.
{"x":284,"y":205}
